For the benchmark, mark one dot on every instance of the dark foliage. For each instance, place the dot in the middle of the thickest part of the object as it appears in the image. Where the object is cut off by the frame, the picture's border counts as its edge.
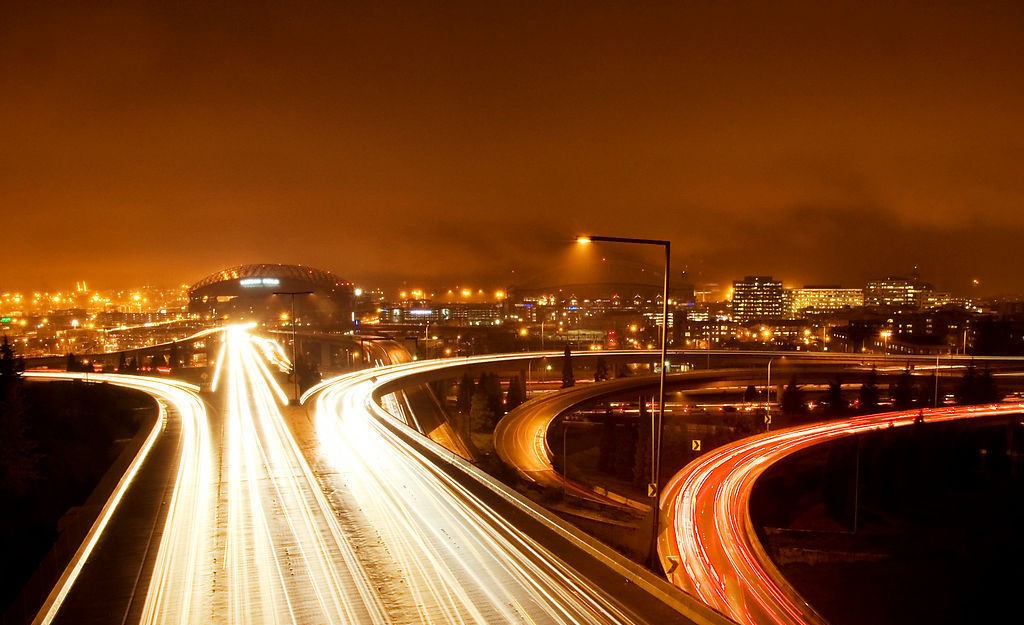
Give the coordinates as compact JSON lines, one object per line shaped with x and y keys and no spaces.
{"x":568,"y":379}
{"x":869,"y":393}
{"x":902,"y":391}
{"x":793,"y":399}
{"x":976,"y":388}
{"x":465,"y":394}
{"x":61,"y":437}
{"x":516,"y":393}
{"x":837,"y":404}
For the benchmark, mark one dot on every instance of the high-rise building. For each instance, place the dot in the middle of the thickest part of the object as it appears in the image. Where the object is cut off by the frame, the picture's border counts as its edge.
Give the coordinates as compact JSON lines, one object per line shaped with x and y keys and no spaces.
{"x":824,"y":300}
{"x":898,"y":293}
{"x":757,"y":298}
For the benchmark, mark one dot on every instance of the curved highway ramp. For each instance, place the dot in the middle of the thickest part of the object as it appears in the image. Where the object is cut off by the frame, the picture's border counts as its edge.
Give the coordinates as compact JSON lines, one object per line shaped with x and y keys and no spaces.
{"x":245,"y":510}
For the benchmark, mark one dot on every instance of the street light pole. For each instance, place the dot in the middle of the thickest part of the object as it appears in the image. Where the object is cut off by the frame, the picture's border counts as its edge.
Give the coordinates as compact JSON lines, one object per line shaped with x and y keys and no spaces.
{"x":295,"y":369}
{"x":565,"y":460}
{"x":768,"y":397}
{"x":653,"y":487}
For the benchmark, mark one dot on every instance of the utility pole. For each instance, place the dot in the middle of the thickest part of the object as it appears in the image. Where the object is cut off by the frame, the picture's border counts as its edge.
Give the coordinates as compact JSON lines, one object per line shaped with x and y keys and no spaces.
{"x":295,"y":369}
{"x":654,"y":486}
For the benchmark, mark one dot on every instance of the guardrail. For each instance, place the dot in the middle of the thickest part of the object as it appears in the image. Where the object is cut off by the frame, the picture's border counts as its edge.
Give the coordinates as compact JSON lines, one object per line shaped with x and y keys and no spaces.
{"x":74,"y":534}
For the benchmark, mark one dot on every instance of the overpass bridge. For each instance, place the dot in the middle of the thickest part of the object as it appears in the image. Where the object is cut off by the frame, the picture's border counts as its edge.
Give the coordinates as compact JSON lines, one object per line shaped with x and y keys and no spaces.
{"x":242,"y":508}
{"x":338,"y":511}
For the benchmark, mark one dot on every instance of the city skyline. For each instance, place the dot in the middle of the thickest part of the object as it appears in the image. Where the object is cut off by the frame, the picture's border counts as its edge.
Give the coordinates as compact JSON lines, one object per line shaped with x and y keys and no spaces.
{"x":836,"y":144}
{"x":406,"y":289}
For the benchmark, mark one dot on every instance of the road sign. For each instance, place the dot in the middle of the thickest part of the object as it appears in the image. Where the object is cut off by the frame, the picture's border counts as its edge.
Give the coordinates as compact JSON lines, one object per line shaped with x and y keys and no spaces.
{"x":695,"y":444}
{"x":767,"y":419}
{"x":673,"y":563}
{"x":652,"y":489}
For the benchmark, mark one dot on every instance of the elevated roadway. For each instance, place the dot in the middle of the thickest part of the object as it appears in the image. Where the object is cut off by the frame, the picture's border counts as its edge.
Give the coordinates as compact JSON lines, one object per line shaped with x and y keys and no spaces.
{"x":472,"y":546}
{"x":249,"y":510}
{"x":709,"y":543}
{"x":521,"y":436}
{"x":156,"y":524}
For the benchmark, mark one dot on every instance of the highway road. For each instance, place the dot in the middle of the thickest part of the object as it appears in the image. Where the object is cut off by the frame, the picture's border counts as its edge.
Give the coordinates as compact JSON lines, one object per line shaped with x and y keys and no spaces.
{"x":245,"y":534}
{"x":248,"y":510}
{"x":521,"y":436}
{"x":171,"y":478}
{"x":708,"y":540}
{"x":461,"y":562}
{"x":284,"y":558}
{"x":260,"y":512}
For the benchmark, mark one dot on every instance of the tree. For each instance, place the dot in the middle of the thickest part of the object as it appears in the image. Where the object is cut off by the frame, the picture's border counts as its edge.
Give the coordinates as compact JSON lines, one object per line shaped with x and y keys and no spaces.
{"x":568,"y":379}
{"x":18,"y":455}
{"x":516,"y":393}
{"x":491,"y":384}
{"x":19,"y":458}
{"x":642,"y":455}
{"x":160,"y":360}
{"x":977,"y":388}
{"x":837,"y":404}
{"x":902,"y":391}
{"x":480,"y":416}
{"x":11,"y":366}
{"x":465,"y":394}
{"x":792,"y":399}
{"x":749,"y":394}
{"x":600,"y":370}
{"x":967,"y":389}
{"x":74,"y":363}
{"x":174,"y":355}
{"x":988,"y":392}
{"x":308,"y":372}
{"x":869,"y":393}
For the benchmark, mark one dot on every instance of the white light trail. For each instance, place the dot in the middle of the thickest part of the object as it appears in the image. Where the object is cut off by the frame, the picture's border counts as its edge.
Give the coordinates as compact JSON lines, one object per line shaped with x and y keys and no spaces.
{"x":186,"y":521}
{"x":461,"y":563}
{"x":286,"y":558}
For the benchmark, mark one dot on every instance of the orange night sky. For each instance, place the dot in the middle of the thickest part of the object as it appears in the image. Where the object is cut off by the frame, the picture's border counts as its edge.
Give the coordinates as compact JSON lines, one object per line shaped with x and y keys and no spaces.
{"x":452,"y":142}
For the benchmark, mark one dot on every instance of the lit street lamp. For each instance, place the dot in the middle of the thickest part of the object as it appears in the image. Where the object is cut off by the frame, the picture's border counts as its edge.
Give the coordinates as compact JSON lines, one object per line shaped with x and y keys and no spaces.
{"x":885,"y":343}
{"x":652,"y":488}
{"x":295,"y":369}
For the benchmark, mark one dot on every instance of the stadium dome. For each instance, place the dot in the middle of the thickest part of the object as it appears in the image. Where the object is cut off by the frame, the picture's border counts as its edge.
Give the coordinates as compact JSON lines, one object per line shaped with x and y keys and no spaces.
{"x":263,"y":293}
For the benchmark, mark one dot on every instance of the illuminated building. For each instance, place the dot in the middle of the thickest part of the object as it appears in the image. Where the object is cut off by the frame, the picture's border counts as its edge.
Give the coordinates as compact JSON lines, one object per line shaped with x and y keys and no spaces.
{"x":456,"y":314}
{"x":247,"y":293}
{"x":898,"y":293}
{"x":756,"y":298}
{"x":812,"y":300}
